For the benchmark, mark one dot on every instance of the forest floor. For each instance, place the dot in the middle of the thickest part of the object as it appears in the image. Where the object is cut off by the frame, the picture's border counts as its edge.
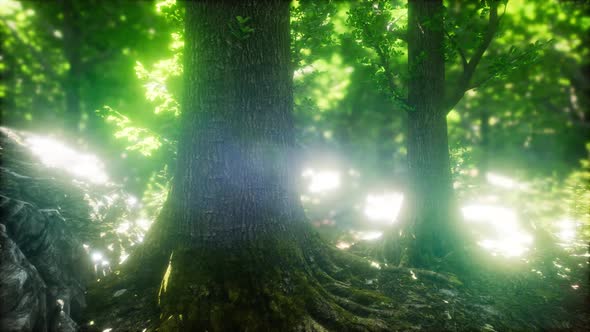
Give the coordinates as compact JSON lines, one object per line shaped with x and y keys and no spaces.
{"x":495,"y":296}
{"x":505,"y":298}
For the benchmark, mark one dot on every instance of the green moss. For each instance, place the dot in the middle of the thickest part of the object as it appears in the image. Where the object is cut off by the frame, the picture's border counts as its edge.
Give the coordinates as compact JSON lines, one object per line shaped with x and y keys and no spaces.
{"x":250,"y":288}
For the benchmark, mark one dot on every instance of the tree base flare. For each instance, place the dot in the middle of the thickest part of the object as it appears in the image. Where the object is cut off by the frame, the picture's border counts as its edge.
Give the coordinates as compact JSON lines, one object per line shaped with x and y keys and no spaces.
{"x":273,"y":286}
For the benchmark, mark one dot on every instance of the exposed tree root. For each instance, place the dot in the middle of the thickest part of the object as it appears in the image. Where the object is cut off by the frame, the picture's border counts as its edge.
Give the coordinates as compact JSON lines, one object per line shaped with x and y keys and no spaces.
{"x":286,"y":285}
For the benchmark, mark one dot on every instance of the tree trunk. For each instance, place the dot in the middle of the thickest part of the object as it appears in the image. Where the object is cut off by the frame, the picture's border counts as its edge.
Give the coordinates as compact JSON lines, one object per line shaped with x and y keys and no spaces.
{"x":239,"y":253}
{"x":428,"y":211}
{"x":72,"y":40}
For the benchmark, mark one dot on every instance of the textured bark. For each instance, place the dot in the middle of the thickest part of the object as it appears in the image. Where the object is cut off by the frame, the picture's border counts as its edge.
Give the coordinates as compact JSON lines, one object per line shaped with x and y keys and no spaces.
{"x":428,"y":212}
{"x":239,"y":253}
{"x":232,"y":218}
{"x":238,"y":127}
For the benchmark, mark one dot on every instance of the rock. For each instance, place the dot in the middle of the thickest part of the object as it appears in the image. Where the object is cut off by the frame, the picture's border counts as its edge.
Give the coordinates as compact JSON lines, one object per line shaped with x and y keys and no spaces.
{"x":22,"y":290}
{"x":52,"y":217}
{"x":44,"y":268}
{"x":63,"y":323}
{"x":43,"y":240}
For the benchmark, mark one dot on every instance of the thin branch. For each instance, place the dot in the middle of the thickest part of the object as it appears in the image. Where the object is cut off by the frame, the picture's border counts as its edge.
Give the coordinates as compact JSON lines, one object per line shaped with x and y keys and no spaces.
{"x":490,"y":76}
{"x":459,"y":50}
{"x":469,"y":69}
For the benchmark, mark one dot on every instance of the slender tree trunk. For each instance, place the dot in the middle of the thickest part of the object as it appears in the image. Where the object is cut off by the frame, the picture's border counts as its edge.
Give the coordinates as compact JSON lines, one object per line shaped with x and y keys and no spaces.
{"x":428,"y":212}
{"x":72,"y":40}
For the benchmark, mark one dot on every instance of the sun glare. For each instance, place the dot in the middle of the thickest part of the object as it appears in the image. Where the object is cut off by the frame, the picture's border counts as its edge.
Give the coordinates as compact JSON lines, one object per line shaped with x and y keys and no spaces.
{"x":383,"y":208}
{"x":322,"y":181}
{"x":507,"y":238}
{"x":503,"y":181}
{"x":55,"y":154}
{"x":566,"y":230}
{"x":96,"y":256}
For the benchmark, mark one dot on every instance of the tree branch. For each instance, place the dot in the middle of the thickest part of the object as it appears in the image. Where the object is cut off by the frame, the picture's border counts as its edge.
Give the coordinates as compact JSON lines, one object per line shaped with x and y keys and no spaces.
{"x":512,"y":62}
{"x":384,"y":59}
{"x":470,"y":66}
{"x":459,"y":50}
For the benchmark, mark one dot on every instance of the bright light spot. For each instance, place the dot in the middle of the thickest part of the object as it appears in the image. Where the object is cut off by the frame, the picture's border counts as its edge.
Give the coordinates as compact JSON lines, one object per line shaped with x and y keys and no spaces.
{"x":506,"y":248}
{"x":368,"y":236}
{"x":376,"y":265}
{"x":123,"y":227}
{"x":303,"y":71}
{"x":105,"y":263}
{"x":322,"y":181}
{"x":91,"y":323}
{"x":55,"y":154}
{"x":112,"y":198}
{"x":509,"y":239}
{"x":144,"y":223}
{"x":383,"y":207}
{"x":107,"y":330}
{"x":343,"y":245}
{"x":131,"y":200}
{"x":164,"y":284}
{"x":413,"y":275}
{"x":123,"y":258}
{"x":575,"y":286}
{"x":96,"y":256}
{"x":503,"y":181}
{"x":567,"y":230}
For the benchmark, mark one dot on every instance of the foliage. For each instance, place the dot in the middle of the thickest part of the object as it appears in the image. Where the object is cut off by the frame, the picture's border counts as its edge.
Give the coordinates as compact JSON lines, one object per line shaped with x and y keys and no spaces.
{"x":380,"y":26}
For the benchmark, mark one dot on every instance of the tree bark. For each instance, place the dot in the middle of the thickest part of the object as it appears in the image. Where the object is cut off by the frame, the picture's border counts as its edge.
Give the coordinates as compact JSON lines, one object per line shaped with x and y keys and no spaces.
{"x":427,"y":216}
{"x":233,"y":229}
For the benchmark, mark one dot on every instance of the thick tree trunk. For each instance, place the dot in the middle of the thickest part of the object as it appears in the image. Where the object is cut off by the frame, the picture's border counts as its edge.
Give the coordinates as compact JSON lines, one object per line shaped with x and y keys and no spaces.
{"x":238,"y":252}
{"x":233,"y":222}
{"x":238,"y":128}
{"x":71,"y":45}
{"x":428,"y":213}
